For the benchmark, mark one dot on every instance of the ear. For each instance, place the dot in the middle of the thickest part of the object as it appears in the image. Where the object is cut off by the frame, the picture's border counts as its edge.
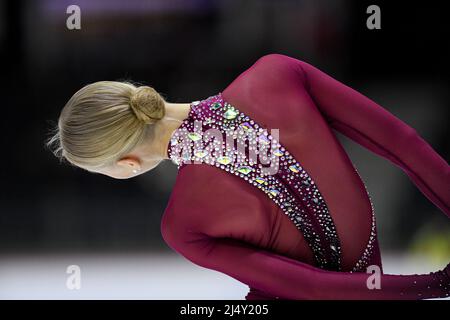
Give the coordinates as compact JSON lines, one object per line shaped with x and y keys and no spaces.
{"x":130,"y":162}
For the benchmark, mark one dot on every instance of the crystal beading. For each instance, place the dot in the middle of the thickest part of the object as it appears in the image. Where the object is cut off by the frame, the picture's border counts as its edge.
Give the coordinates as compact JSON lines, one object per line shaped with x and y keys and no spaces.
{"x":291,"y":187}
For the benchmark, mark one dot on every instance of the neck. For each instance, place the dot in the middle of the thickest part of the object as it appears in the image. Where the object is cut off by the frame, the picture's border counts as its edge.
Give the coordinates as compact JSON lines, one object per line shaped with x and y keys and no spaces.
{"x":174,"y":116}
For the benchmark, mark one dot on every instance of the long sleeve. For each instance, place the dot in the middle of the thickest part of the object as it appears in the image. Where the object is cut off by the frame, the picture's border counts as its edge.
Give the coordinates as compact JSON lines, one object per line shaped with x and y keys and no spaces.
{"x":290,"y":279}
{"x":372,"y":126}
{"x":191,"y":226}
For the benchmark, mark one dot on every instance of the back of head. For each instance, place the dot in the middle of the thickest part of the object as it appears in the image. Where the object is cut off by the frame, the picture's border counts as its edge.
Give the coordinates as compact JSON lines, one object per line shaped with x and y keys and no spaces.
{"x":103,"y":121}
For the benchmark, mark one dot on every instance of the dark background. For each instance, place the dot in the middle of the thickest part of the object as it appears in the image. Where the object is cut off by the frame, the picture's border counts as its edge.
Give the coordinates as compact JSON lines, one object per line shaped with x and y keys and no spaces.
{"x":188,"y":50}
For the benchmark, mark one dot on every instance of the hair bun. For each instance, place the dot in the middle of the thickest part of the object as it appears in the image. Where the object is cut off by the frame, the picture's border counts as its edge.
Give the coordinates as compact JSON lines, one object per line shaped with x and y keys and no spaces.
{"x":147,"y":104}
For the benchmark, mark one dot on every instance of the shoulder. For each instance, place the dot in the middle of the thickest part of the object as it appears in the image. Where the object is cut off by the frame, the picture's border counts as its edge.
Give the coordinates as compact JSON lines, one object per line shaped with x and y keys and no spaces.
{"x":273,"y":72}
{"x":276,"y":68}
{"x":276,"y":60}
{"x":273,"y":58}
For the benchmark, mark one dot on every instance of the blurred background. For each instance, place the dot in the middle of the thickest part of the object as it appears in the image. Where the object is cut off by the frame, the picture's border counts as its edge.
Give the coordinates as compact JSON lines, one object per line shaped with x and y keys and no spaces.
{"x":54,"y":215}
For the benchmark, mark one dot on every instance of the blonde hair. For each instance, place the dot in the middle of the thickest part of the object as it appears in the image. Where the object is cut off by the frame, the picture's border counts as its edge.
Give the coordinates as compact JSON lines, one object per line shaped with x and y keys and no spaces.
{"x":103,"y":121}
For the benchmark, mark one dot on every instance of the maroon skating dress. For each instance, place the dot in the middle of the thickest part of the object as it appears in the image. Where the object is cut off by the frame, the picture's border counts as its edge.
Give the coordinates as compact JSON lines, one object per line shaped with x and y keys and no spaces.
{"x":288,"y":213}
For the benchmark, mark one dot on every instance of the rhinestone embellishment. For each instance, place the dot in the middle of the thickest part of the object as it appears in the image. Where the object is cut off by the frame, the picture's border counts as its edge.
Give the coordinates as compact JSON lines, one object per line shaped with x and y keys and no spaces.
{"x":246,"y":126}
{"x":215,"y":106}
{"x":274,"y":192}
{"x":194,"y":136}
{"x":364,"y":261}
{"x":224,"y":160}
{"x":230,"y":114}
{"x":291,"y":187}
{"x":245,"y":169}
{"x":200,"y":153}
{"x":260,"y":180}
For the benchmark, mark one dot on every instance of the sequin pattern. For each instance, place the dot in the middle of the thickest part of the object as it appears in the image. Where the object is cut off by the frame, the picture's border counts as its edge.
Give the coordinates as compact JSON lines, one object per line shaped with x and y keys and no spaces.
{"x":291,"y":187}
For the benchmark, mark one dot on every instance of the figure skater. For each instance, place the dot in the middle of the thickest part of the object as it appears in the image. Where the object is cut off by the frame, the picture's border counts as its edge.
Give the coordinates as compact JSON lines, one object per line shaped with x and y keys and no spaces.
{"x":288,"y":214}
